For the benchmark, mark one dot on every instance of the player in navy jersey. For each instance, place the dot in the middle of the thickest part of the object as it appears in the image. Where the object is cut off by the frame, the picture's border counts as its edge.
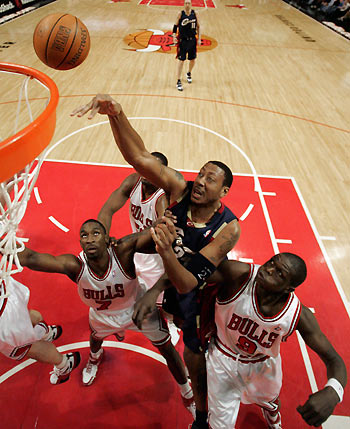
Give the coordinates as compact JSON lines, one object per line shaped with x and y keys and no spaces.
{"x":256,"y":310}
{"x":201,"y":205}
{"x":186,"y":33}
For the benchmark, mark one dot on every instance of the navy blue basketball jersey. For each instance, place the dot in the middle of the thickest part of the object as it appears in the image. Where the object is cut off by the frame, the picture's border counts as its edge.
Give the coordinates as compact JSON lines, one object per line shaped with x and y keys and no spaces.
{"x":187,"y":25}
{"x":191,"y":239}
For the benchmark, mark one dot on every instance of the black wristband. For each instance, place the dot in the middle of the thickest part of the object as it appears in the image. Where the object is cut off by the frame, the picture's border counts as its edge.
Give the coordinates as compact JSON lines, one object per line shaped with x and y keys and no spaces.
{"x":174,"y":29}
{"x":200,"y":267}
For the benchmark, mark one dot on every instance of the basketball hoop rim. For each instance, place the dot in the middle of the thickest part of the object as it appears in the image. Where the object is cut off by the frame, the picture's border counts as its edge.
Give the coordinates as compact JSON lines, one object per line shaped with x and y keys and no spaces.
{"x":24,"y":146}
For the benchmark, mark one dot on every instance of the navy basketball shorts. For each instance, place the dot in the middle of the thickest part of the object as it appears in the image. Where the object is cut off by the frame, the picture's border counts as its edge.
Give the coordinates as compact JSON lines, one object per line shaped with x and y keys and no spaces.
{"x":187,"y":47}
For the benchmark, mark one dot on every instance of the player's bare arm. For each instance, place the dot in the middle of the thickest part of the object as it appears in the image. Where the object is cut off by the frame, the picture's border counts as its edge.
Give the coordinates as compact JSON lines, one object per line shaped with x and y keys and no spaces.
{"x":198,"y":30}
{"x":225,"y":241}
{"x":116,"y":200}
{"x":63,"y":264}
{"x":231,"y":275}
{"x":175,"y":28}
{"x":147,"y":303}
{"x":127,"y":246}
{"x":321,"y":404}
{"x":161,"y":206}
{"x":132,"y":147}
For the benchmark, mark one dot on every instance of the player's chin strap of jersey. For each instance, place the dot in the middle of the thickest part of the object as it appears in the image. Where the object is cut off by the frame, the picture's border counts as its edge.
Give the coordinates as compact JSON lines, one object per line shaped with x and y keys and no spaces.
{"x":200,"y":267}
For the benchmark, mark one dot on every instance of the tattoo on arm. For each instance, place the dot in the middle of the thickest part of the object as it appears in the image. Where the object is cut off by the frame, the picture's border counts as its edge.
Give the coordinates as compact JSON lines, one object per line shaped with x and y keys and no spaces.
{"x":228,"y":244}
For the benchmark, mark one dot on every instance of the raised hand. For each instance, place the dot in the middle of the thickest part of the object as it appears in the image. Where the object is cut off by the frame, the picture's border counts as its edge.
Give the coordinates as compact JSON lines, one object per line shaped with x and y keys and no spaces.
{"x":101,"y":103}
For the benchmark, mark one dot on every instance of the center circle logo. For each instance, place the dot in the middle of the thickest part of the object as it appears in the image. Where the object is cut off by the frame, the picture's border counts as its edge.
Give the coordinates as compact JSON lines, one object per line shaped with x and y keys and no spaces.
{"x":158,"y":41}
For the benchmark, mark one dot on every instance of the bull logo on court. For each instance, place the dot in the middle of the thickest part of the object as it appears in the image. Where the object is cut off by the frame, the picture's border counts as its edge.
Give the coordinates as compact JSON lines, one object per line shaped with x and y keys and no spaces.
{"x":157,"y":41}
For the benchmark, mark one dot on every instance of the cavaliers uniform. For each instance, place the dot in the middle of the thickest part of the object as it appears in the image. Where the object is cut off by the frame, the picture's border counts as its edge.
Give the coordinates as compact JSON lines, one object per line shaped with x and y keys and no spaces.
{"x":111,"y":299}
{"x":244,"y":363}
{"x":17,"y":333}
{"x":191,"y":239}
{"x":142,"y":213}
{"x":187,"y":36}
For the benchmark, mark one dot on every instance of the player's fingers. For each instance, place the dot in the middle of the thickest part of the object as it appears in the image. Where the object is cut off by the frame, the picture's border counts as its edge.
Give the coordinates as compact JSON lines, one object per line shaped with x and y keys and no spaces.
{"x":80,"y":111}
{"x":137,"y":319}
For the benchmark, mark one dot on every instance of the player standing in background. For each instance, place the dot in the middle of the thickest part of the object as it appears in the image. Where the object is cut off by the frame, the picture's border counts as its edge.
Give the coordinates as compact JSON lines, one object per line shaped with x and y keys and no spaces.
{"x":186,"y":32}
{"x":147,"y":204}
{"x":255,"y":311}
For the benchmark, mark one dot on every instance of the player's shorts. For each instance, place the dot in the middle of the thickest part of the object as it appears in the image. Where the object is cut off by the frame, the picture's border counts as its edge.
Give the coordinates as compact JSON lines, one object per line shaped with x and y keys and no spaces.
{"x":154,"y":326}
{"x":231,"y":382}
{"x":149,"y":269}
{"x":16,"y":330}
{"x":187,"y":47}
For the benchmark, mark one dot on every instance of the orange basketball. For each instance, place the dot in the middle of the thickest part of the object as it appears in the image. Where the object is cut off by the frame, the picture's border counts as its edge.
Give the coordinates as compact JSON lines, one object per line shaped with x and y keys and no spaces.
{"x":61,"y":41}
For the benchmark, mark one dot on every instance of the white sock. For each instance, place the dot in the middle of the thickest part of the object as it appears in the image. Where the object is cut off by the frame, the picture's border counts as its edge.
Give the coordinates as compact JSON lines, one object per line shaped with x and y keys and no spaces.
{"x":97,"y":354}
{"x":186,"y":390}
{"x":63,"y":363}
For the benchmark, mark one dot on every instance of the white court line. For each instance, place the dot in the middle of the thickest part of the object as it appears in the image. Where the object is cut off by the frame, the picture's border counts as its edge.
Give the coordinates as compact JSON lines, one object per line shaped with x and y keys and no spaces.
{"x":246,"y":213}
{"x":281,"y":240}
{"x":86,"y":344}
{"x":307,"y":363}
{"x":37,"y":195}
{"x":270,"y":194}
{"x":322,"y":237}
{"x":58,"y":224}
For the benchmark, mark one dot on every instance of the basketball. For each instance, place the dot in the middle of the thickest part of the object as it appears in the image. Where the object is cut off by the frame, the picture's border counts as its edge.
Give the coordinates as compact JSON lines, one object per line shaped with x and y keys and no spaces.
{"x":61,"y":41}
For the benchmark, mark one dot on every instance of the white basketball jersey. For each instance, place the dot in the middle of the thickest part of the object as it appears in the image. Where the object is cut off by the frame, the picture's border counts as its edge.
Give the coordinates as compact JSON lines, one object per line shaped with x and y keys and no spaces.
{"x":110,"y":293}
{"x":243,"y":330}
{"x":142,"y":212}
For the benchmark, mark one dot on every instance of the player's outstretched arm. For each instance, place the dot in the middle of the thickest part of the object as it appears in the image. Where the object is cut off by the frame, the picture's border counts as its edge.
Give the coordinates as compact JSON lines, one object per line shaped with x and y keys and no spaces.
{"x":116,"y":200}
{"x":321,"y":404}
{"x":132,"y":147}
{"x":62,"y":264}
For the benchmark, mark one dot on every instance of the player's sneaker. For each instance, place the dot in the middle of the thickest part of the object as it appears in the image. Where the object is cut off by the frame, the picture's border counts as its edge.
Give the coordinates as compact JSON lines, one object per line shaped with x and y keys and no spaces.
{"x":59,"y":376}
{"x":179,"y":85}
{"x":189,"y":77}
{"x":273,"y":421}
{"x":91,"y":368}
{"x":55,"y":331}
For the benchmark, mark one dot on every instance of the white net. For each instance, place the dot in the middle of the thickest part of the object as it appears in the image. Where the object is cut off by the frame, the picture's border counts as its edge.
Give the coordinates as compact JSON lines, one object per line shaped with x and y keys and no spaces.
{"x":16,"y":191}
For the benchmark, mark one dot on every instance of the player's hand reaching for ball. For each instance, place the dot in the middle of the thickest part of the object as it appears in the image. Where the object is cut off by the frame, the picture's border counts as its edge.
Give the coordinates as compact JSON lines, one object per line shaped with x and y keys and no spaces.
{"x":102,"y":103}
